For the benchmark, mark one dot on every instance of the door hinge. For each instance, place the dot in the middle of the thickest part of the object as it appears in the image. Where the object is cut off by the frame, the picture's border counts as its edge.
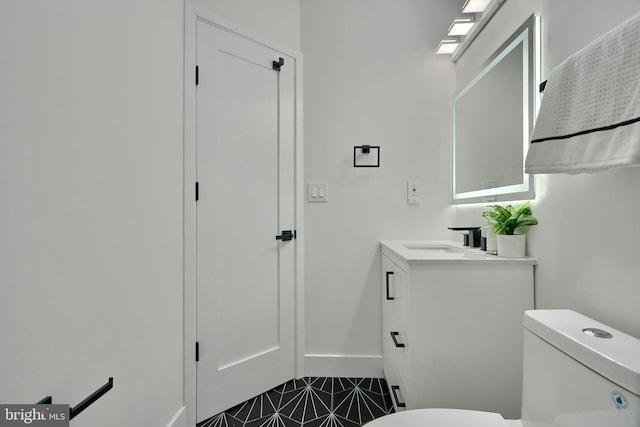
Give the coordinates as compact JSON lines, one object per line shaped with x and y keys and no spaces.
{"x":197,"y":75}
{"x":197,"y":351}
{"x":197,"y":191}
{"x":278,"y":64}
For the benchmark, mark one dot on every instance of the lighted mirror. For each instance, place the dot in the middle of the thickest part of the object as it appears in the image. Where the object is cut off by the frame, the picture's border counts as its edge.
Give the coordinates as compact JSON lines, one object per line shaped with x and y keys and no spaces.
{"x":493,"y":117}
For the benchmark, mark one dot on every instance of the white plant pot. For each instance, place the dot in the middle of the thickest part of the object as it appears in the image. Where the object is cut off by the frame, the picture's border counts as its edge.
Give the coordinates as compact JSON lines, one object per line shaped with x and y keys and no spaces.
{"x":512,"y":246}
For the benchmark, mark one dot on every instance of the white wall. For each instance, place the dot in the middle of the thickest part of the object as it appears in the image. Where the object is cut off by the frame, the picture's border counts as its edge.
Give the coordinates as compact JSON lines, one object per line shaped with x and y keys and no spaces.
{"x":371,"y":77}
{"x":91,"y":170}
{"x":91,"y":206}
{"x":91,"y":184}
{"x":278,"y":20}
{"x":587,"y":239}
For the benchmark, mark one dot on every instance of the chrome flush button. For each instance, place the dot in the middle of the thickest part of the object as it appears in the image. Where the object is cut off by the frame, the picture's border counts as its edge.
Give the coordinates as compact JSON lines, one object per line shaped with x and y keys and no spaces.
{"x":598,"y":333}
{"x":619,"y":400}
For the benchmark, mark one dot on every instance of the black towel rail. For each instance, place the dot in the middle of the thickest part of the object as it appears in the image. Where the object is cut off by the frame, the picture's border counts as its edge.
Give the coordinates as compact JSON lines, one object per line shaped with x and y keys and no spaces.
{"x":73,"y":412}
{"x":92,"y":398}
{"x":46,"y":401}
{"x":542,"y":86}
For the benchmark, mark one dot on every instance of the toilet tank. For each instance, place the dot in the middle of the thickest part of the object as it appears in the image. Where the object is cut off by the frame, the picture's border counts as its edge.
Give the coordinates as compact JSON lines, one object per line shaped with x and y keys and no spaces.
{"x":578,"y":372}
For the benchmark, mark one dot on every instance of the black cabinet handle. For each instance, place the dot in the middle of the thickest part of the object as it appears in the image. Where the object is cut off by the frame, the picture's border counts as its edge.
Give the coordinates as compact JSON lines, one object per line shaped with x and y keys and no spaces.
{"x":399,"y":404}
{"x":395,"y":340}
{"x":389,"y":297}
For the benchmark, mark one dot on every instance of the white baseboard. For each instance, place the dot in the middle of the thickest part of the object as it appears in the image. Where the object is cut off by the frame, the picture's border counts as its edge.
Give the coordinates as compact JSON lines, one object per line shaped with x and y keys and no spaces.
{"x":339,"y":365}
{"x":179,"y":419}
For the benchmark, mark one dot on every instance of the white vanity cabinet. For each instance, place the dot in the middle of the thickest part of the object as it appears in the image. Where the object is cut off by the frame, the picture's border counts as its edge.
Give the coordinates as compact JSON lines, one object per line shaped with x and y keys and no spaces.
{"x":452,"y":329}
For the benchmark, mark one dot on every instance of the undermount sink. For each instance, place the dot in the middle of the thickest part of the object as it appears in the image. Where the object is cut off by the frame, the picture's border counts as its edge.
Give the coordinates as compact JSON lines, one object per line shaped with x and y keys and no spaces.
{"x":428,"y":251}
{"x":440,"y":250}
{"x":436,"y":249}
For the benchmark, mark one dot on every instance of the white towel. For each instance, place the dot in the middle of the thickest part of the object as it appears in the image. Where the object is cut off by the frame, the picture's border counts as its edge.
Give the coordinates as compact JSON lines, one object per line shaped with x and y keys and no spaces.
{"x":589,"y":119}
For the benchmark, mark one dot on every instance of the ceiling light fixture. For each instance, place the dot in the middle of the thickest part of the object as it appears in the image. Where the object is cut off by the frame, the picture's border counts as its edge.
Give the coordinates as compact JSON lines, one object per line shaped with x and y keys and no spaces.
{"x":461,"y":26}
{"x":463,"y":31}
{"x":475,"y":6}
{"x":448,"y":46}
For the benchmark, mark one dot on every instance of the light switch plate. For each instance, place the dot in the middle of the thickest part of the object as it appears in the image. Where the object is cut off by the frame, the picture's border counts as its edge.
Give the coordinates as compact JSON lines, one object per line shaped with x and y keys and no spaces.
{"x":318,"y":192}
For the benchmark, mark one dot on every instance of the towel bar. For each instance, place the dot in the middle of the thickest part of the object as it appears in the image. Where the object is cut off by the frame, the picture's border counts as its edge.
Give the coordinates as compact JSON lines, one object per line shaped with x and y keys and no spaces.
{"x":73,"y":412}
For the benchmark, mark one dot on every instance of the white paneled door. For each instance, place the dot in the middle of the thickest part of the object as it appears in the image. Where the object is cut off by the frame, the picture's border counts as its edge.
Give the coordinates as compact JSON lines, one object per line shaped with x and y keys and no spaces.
{"x":245,"y":257}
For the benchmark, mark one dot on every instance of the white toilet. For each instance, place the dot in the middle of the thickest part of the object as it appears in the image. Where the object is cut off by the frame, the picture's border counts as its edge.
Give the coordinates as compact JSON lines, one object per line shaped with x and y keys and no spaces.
{"x":577,"y":372}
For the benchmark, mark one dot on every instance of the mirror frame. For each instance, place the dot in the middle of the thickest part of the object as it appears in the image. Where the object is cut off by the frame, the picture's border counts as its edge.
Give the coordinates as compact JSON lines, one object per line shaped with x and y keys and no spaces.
{"x":528,"y":35}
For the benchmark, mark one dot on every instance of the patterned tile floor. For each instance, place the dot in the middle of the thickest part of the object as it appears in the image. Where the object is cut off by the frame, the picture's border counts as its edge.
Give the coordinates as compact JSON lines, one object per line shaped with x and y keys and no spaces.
{"x":311,"y":402}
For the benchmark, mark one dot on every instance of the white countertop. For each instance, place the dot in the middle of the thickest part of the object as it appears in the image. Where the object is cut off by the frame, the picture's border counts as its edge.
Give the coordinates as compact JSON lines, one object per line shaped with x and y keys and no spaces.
{"x":439,"y":251}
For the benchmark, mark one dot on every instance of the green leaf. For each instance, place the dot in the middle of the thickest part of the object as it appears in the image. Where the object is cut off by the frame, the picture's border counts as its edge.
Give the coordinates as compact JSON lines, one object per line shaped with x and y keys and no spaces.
{"x":507,"y":219}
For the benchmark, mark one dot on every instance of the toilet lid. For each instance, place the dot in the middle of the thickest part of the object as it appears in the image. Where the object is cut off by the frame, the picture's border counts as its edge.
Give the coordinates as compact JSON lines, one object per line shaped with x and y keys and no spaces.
{"x":439,"y":418}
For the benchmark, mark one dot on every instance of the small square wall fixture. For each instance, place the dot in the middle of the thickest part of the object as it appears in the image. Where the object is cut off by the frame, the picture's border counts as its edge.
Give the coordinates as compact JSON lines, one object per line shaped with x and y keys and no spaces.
{"x":461,"y":26}
{"x":475,"y":6}
{"x":364,"y":158}
{"x":448,"y":46}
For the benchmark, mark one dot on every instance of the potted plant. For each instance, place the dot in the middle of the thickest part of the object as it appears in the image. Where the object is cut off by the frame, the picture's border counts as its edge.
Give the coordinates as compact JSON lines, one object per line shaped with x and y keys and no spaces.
{"x":510,"y":224}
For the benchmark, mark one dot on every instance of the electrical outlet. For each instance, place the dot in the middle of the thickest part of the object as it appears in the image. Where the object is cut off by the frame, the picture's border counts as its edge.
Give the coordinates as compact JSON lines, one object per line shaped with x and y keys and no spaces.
{"x":413,"y":192}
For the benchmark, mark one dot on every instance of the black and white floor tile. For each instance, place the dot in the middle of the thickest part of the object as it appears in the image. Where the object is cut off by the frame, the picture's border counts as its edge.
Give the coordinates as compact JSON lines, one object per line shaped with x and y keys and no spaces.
{"x":311,"y":402}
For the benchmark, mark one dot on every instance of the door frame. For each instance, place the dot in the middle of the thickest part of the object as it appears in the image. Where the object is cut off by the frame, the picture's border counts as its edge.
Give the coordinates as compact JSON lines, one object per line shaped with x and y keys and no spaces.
{"x":192,"y":14}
